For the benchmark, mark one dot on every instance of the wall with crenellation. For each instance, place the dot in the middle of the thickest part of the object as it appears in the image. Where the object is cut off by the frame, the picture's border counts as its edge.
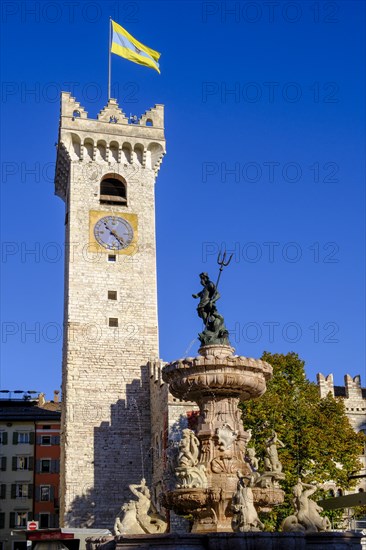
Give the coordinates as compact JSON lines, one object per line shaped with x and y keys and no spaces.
{"x":169,"y":416}
{"x":354,"y":398}
{"x":106,"y":389}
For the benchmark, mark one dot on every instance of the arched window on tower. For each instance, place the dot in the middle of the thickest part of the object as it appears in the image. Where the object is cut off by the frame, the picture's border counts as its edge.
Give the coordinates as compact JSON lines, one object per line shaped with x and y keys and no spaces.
{"x":113,"y":190}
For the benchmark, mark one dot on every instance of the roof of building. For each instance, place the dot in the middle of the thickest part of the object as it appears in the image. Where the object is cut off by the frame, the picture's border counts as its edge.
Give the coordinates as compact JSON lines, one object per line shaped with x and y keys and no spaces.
{"x":13,"y":409}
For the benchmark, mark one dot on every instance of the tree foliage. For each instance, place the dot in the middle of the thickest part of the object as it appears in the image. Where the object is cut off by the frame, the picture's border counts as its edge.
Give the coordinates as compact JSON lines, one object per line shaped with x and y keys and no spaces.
{"x":320,"y":444}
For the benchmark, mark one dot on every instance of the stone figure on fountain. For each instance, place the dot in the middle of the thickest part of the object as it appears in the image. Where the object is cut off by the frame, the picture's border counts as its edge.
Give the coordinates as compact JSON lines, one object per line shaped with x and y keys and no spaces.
{"x":140,"y":516}
{"x":226,"y":436}
{"x":190,"y":474}
{"x":307,"y":518}
{"x":188,"y":449}
{"x":272,"y":464}
{"x":271,"y":461}
{"x":245,"y":515}
{"x":253,"y":462}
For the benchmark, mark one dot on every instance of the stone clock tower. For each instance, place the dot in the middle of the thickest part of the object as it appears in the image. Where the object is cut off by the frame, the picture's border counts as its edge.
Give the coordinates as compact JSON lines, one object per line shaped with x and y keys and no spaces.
{"x":105,"y":172}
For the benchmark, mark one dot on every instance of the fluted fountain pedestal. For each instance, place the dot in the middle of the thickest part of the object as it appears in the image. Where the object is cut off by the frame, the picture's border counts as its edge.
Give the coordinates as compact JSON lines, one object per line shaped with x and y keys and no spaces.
{"x":217,"y":380}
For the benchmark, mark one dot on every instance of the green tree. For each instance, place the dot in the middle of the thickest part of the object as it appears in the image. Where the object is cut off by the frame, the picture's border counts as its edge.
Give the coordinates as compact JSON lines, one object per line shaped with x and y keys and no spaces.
{"x":320,"y":444}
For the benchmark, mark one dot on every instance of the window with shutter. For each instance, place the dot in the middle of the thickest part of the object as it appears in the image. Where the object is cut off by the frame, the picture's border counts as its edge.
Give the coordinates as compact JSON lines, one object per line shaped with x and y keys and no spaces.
{"x":2,"y":520}
{"x":21,"y":490}
{"x":21,"y":519}
{"x":45,"y":493}
{"x":31,"y":438}
{"x":30,"y":491}
{"x":23,"y":437}
{"x":46,"y":465}
{"x":3,"y":491}
{"x":15,"y":438}
{"x":3,"y":438}
{"x":31,"y":463}
{"x":13,"y":491}
{"x":3,"y":463}
{"x":38,"y":494}
{"x":14,"y":463}
{"x":12,"y":519}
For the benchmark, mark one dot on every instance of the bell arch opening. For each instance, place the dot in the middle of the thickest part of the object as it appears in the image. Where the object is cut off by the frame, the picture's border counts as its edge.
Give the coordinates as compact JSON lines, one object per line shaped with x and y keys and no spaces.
{"x":113,"y":190}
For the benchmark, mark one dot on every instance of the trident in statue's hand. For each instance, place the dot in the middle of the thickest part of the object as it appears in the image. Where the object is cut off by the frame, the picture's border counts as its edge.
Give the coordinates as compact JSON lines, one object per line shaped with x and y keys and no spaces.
{"x":221,"y":260}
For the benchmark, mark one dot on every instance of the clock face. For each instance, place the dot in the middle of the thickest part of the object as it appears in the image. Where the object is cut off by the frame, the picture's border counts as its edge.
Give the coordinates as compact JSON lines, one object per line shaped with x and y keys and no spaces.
{"x":113,"y":232}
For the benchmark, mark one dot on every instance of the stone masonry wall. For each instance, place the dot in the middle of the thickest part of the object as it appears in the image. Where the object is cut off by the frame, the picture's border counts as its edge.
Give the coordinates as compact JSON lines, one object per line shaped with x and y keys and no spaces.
{"x":354,"y":397}
{"x":106,"y":392}
{"x":169,"y":416}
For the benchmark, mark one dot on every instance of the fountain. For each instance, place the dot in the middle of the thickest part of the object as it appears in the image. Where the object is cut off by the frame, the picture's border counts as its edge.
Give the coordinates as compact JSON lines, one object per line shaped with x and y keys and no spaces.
{"x":211,"y":461}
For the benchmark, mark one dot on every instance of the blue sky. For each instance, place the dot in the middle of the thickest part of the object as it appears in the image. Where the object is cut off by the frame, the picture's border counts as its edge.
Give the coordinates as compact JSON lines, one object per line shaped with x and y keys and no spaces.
{"x":265,"y":128}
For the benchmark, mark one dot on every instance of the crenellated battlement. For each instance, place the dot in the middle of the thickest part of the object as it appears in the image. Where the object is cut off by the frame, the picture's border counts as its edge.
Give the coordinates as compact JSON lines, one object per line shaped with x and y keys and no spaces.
{"x":70,"y":107}
{"x":351,"y":389}
{"x":152,"y":118}
{"x":155,"y":369}
{"x":110,"y":140}
{"x":326,"y":384}
{"x":352,"y":393}
{"x":353,"y":386}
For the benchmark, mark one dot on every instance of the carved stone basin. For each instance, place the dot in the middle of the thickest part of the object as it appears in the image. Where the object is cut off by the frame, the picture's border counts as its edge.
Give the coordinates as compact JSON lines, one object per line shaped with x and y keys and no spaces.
{"x":265,"y":499}
{"x":211,"y":507}
{"x":216,"y":372}
{"x":184,"y":501}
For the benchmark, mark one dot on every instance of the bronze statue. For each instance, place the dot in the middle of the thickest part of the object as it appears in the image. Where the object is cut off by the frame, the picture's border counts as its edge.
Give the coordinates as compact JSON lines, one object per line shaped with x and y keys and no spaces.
{"x":215,"y":331}
{"x":208,"y":296}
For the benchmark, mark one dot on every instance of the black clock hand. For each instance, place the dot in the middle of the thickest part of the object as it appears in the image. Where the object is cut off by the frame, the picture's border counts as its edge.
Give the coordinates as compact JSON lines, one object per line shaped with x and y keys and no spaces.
{"x":115,"y":235}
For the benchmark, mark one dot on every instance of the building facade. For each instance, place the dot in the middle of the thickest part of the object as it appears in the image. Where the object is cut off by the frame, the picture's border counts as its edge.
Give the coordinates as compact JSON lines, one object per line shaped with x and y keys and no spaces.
{"x":105,"y":172}
{"x":20,"y":454}
{"x":354,"y":397}
{"x":47,"y":474}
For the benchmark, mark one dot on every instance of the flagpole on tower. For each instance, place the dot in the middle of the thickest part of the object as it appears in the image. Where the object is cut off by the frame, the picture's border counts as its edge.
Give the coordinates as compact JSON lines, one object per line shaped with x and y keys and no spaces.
{"x":109,"y":58}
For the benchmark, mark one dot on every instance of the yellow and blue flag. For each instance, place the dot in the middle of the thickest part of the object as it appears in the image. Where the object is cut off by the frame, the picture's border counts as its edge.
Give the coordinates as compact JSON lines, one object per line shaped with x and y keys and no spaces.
{"x":127,"y":46}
